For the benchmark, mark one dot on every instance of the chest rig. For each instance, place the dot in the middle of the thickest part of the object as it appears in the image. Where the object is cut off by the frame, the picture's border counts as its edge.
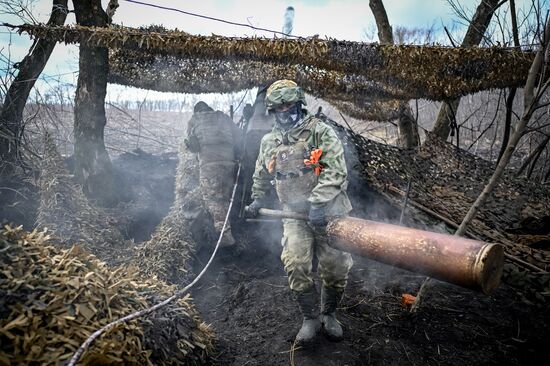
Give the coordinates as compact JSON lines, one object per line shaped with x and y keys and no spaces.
{"x":294,"y":181}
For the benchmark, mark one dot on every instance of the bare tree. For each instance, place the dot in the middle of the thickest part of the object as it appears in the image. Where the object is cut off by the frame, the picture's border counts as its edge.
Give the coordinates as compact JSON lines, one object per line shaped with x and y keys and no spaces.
{"x":474,"y":35}
{"x":408,"y":128}
{"x":512,"y":93}
{"x":415,"y":35}
{"x":535,"y":86}
{"x":11,"y":115}
{"x":93,"y":168}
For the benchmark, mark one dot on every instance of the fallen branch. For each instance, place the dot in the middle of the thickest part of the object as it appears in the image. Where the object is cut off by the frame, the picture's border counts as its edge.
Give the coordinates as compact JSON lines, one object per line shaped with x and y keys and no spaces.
{"x":525,"y":264}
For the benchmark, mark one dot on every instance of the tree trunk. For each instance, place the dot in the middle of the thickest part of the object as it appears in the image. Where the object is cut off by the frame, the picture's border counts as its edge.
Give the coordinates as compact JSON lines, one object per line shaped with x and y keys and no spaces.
{"x":473,"y":37}
{"x":445,"y":118}
{"x":93,"y":167}
{"x":507,"y":122}
{"x":531,"y":160}
{"x":531,"y":98}
{"x":511,"y":96}
{"x":513,"y":16}
{"x":385,"y":32}
{"x":537,"y":156}
{"x":11,"y":115}
{"x":408,"y":128}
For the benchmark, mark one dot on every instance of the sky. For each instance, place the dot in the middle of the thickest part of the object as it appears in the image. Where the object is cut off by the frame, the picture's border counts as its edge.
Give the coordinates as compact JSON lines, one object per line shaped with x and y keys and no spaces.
{"x":342,"y":19}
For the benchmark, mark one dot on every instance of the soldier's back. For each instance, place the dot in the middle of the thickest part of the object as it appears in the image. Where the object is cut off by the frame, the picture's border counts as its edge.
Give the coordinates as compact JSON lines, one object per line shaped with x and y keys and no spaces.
{"x":214,"y":131}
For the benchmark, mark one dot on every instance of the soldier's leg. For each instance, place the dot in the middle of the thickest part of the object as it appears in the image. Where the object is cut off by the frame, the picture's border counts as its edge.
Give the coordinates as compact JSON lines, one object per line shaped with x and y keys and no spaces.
{"x":334,"y":266}
{"x":216,"y":181}
{"x":297,"y":257}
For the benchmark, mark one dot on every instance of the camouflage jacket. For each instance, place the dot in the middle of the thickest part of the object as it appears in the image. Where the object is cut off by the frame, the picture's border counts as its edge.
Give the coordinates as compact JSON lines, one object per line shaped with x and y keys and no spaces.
{"x":214,"y":136}
{"x":330,"y":191}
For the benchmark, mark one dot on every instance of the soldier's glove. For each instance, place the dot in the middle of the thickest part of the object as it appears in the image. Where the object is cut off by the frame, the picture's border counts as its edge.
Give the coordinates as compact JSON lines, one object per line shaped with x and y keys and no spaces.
{"x":316,"y":217}
{"x":254,"y":208}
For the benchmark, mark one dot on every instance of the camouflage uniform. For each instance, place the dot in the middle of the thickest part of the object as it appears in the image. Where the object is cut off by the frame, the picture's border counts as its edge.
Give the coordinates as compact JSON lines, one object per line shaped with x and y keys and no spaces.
{"x":304,"y":159}
{"x":300,"y":242}
{"x":215,"y":138}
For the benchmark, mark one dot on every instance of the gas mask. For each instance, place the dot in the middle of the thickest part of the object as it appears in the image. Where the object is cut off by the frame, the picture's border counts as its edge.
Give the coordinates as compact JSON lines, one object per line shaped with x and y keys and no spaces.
{"x":288,"y":118}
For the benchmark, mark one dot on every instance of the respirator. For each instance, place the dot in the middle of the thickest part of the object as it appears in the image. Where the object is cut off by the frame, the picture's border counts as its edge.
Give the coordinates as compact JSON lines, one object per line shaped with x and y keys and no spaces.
{"x":289,"y":117}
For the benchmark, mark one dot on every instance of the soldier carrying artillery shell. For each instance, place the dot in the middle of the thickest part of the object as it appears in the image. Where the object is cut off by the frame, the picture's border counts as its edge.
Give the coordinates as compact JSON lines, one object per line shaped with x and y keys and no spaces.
{"x":305,"y":159}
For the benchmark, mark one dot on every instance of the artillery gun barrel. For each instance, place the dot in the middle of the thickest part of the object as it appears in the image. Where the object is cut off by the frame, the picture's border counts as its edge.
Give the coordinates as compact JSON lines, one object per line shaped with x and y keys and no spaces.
{"x":465,"y":262}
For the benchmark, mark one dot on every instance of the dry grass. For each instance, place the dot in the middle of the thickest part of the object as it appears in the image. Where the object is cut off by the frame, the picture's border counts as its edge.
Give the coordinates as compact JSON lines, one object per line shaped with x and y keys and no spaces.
{"x":66,"y":212}
{"x":53,"y":299}
{"x":167,"y":254}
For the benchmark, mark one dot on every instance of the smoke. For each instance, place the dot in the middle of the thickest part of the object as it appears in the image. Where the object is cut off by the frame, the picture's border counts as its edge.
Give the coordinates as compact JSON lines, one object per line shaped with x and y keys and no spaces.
{"x":288,"y":20}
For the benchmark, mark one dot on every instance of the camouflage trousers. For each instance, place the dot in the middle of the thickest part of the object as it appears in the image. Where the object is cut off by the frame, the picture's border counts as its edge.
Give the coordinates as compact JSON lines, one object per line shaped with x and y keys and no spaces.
{"x":216,"y":181}
{"x":300,"y":244}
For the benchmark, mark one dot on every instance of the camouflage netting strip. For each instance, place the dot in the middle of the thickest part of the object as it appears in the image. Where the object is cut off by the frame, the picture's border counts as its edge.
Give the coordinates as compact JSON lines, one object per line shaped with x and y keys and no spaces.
{"x":167,"y":254}
{"x":431,"y":72}
{"x":65,"y":210}
{"x":52,"y":299}
{"x":354,"y":94}
{"x":370,"y":110}
{"x":173,"y":74}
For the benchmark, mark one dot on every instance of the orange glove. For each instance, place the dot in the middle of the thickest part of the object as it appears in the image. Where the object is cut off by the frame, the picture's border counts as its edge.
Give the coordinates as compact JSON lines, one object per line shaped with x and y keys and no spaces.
{"x":313,"y":161}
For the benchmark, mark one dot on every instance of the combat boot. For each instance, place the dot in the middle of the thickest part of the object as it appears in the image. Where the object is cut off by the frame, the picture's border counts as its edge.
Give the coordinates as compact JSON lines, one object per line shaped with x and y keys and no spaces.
{"x":329,"y":301}
{"x":227,"y":240}
{"x":227,"y":237}
{"x":309,"y":307}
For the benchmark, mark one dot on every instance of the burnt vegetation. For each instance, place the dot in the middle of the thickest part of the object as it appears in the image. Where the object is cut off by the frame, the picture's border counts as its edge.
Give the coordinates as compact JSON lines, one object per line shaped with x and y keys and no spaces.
{"x":102,"y":214}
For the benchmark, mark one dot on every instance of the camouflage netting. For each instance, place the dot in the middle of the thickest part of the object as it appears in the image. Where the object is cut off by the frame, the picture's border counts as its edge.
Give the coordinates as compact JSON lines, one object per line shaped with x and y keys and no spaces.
{"x":65,"y":211}
{"x":172,"y":74}
{"x":431,"y":72}
{"x":52,"y":299}
{"x":167,"y":254}
{"x":375,"y":110}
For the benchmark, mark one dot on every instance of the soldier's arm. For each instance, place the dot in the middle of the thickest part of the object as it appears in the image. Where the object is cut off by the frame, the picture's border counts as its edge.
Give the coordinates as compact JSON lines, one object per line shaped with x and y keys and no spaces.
{"x":192,"y":141}
{"x":261,"y":179}
{"x":333,"y":177}
{"x":190,"y":125}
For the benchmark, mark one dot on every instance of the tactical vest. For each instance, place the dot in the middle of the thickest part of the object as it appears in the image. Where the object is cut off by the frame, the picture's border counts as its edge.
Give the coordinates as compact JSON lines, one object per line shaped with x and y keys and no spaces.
{"x":294,"y":181}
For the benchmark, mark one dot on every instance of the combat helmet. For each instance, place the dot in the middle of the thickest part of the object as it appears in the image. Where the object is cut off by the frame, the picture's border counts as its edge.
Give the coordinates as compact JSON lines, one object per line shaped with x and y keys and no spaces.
{"x":283,"y":92}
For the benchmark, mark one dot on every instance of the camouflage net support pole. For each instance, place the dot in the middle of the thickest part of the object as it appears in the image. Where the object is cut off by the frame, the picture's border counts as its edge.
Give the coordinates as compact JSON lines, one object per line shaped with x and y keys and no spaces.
{"x":172,"y":298}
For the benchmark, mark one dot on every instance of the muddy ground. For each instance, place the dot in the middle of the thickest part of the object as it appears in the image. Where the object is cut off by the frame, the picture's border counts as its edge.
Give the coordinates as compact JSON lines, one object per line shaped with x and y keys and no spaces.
{"x":248,"y":303}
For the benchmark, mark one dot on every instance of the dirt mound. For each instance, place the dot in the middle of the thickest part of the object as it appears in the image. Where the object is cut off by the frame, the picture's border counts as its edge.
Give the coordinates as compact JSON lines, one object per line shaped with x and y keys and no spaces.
{"x":52,"y":299}
{"x":66,"y":212}
{"x":167,"y":254}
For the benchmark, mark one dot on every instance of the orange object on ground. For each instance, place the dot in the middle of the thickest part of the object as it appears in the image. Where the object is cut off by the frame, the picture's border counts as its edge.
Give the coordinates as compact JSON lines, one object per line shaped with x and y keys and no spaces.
{"x":407,"y":300}
{"x":313,"y":161}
